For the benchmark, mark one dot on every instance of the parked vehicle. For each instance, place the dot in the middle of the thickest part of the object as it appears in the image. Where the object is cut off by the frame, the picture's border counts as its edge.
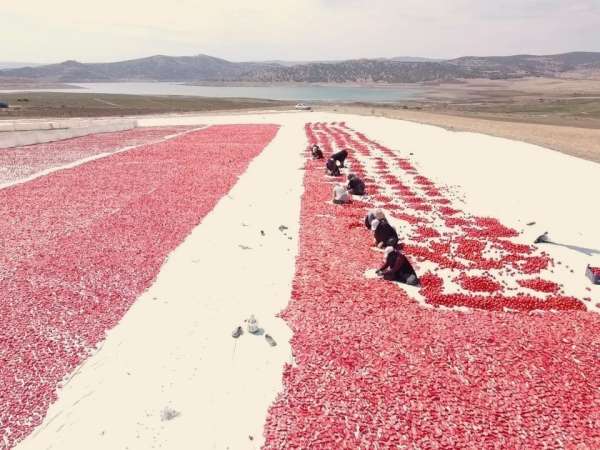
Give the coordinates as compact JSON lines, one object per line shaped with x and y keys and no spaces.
{"x":303,"y":107}
{"x":3,"y":105}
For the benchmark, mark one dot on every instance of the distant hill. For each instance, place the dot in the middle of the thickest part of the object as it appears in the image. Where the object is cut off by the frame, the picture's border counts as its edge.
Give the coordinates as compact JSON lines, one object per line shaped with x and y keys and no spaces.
{"x":527,"y":65}
{"x":414,"y":59}
{"x":203,"y":68}
{"x":154,"y":68}
{"x":362,"y":70}
{"x":15,"y":65}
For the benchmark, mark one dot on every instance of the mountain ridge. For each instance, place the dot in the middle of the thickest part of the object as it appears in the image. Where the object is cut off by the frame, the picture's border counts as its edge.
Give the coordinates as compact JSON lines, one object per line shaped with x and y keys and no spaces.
{"x":205,"y":68}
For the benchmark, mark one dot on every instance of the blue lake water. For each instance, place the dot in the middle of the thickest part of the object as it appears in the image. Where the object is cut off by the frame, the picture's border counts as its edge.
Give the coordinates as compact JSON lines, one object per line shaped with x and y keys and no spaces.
{"x":304,"y":93}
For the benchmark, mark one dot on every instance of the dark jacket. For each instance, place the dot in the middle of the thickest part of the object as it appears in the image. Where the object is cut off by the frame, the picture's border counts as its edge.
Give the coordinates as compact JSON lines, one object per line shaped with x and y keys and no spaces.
{"x":332,"y":168}
{"x":340,"y":156}
{"x":397,"y":267}
{"x":356,"y":186}
{"x":384,"y":232}
{"x":317,"y":153}
{"x":368,"y":219}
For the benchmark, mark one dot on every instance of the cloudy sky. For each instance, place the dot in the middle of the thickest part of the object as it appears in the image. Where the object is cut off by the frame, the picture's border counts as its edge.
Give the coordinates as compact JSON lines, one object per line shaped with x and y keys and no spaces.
{"x":241,"y":30}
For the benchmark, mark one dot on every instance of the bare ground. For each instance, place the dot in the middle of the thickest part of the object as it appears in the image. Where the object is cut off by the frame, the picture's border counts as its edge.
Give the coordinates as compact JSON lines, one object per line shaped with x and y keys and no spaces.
{"x":580,"y":142}
{"x":57,"y":104}
{"x":561,"y":114}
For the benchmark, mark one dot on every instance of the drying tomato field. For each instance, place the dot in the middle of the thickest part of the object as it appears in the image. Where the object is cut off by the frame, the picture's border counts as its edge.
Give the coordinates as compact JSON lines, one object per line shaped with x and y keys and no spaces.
{"x":375,"y":369}
{"x":22,"y":162}
{"x":81,"y":244}
{"x":492,"y":350}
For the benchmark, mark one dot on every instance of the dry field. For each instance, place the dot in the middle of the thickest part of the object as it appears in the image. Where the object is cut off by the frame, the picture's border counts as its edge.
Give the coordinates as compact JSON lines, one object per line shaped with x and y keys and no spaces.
{"x":59,"y":104}
{"x":561,"y":114}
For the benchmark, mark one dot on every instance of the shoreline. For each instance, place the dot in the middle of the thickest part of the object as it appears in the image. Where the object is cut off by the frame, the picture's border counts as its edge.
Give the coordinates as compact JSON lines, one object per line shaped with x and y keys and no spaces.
{"x":560,"y":114}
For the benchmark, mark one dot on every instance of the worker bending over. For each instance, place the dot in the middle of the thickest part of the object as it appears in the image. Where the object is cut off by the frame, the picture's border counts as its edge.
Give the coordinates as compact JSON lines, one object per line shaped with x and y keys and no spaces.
{"x":356,"y":186}
{"x":372,"y":215}
{"x":383,"y":233}
{"x":340,"y":157}
{"x":397,"y":267}
{"x":340,"y":195}
{"x":332,"y":168}
{"x":316,"y":151}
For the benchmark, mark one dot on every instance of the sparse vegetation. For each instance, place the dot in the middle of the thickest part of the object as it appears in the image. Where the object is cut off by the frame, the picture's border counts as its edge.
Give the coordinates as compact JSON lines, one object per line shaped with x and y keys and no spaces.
{"x":56,"y":104}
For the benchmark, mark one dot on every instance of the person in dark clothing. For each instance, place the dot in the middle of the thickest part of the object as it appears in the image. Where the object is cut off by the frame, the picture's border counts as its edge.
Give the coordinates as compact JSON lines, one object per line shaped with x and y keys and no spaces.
{"x":332,"y":168}
{"x":397,"y":267}
{"x":372,"y":215}
{"x":317,"y":153}
{"x":384,"y":233}
{"x":356,"y":186}
{"x":340,"y":157}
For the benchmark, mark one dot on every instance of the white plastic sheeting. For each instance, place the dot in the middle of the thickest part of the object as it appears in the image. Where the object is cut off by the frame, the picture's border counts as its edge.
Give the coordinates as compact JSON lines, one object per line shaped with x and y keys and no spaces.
{"x":13,"y":134}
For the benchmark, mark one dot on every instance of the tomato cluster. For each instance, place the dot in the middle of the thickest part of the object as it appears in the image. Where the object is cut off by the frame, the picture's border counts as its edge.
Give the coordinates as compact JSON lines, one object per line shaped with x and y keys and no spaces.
{"x":424,"y":232}
{"x":478,"y":284}
{"x":86,"y":242}
{"x":540,"y":285}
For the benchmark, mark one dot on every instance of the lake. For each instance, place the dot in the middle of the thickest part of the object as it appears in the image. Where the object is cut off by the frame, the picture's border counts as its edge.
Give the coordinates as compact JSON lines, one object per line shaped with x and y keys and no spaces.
{"x":306,"y":93}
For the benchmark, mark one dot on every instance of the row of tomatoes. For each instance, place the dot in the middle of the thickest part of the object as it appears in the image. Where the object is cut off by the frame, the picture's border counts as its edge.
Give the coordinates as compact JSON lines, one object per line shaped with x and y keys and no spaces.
{"x":22,"y":162}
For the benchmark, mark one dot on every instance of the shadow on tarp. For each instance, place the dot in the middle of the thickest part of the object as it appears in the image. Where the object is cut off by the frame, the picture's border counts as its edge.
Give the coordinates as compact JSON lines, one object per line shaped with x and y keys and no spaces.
{"x":585,"y":250}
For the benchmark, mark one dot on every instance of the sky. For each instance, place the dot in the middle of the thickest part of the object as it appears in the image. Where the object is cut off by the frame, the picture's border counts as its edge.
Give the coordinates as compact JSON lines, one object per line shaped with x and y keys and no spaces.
{"x":296,"y":30}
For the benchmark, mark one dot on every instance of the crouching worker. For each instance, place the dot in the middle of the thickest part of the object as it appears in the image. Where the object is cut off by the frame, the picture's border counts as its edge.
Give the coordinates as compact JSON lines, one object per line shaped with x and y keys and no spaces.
{"x":397,"y":267}
{"x":356,"y":186}
{"x":317,"y":153}
{"x":372,"y":215}
{"x":384,"y":233}
{"x":340,"y":195}
{"x":340,"y":157}
{"x":332,"y":168}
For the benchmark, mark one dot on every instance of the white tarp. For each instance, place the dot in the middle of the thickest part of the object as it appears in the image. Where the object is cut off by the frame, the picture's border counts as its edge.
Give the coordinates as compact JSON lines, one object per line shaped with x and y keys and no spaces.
{"x":14,"y":134}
